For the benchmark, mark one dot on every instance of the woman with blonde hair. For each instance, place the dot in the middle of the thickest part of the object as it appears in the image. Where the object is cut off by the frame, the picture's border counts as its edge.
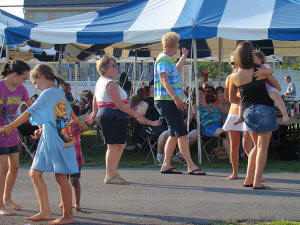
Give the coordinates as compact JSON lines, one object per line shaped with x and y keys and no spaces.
{"x":168,"y":97}
{"x":111,"y":111}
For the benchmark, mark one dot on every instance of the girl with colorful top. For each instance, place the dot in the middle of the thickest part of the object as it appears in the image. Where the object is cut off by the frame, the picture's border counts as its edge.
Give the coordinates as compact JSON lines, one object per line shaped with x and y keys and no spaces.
{"x":111,"y":108}
{"x":55,"y":152}
{"x":168,"y":97}
{"x":12,"y":93}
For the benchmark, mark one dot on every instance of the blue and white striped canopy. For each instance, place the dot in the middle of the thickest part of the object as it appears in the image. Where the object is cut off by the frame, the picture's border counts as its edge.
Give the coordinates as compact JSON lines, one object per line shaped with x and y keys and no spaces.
{"x":145,"y":21}
{"x":9,"y":21}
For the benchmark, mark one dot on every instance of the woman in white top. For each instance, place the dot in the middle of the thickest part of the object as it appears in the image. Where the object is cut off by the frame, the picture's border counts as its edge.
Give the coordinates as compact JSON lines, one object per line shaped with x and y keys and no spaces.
{"x":111,"y":110}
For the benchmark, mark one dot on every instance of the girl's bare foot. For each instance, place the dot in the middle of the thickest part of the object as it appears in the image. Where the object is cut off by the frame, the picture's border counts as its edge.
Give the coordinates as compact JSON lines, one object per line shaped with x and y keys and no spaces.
{"x":77,"y":207}
{"x":232,"y":177}
{"x":63,"y":220}
{"x":239,"y":120}
{"x":60,"y":205}
{"x":247,"y":183}
{"x":40,"y":217}
{"x":5,"y":212}
{"x":12,"y":204}
{"x":285,"y":119}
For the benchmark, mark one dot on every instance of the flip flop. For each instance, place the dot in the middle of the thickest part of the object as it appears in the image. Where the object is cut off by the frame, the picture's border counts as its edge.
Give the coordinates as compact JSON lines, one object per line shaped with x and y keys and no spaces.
{"x":194,"y":172}
{"x":171,"y":171}
{"x":248,"y":185}
{"x":260,"y":188}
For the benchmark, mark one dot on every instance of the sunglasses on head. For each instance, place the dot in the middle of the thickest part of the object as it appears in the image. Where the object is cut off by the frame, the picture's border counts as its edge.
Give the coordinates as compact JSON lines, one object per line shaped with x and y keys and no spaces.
{"x":232,"y":63}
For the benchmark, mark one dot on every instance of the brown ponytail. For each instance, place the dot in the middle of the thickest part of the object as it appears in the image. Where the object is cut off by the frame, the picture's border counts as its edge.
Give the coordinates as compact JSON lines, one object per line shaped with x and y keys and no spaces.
{"x":15,"y":66}
{"x":48,"y":73}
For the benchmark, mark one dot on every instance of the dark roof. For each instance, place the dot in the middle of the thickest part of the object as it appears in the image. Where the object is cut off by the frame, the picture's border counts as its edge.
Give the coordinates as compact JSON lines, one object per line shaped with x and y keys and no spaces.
{"x":70,"y":3}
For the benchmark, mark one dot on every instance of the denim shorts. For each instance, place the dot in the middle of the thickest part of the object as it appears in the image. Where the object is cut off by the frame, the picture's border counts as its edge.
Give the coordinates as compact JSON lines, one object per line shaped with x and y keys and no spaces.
{"x":9,"y":150}
{"x":173,"y":116}
{"x":260,"y":118}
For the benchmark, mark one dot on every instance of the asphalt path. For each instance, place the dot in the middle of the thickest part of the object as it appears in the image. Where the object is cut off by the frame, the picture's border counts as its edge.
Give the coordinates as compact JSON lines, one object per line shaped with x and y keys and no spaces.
{"x":153,"y":198}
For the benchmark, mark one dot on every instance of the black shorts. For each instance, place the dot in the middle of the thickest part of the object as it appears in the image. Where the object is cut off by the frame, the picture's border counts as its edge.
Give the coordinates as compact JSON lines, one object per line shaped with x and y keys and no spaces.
{"x":173,"y":116}
{"x":76,"y":175}
{"x":114,"y":130}
{"x":9,"y":150}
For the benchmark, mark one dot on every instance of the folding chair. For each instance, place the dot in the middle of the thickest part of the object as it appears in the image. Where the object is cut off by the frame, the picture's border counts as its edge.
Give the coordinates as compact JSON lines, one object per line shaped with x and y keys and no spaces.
{"x":150,"y":136}
{"x":207,"y":145}
{"x":99,"y":138}
{"x":29,"y":144}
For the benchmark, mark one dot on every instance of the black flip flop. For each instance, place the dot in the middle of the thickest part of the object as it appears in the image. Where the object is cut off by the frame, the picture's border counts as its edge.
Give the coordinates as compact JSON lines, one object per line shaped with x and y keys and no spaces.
{"x":260,"y":188}
{"x":170,"y":171}
{"x":194,"y":172}
{"x":248,"y":185}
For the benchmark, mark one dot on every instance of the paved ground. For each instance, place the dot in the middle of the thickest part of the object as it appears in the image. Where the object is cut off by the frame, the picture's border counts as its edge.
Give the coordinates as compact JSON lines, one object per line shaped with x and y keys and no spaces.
{"x":153,"y":198}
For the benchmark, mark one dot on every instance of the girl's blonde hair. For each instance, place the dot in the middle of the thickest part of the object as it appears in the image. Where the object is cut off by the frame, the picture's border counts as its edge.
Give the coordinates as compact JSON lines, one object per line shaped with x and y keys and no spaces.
{"x":169,"y":40}
{"x":259,"y":54}
{"x":48,"y":73}
{"x":103,"y":63}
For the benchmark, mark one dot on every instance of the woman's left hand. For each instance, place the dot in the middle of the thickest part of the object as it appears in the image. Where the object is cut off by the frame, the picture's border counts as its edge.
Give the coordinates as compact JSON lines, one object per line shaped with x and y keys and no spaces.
{"x":185,"y":52}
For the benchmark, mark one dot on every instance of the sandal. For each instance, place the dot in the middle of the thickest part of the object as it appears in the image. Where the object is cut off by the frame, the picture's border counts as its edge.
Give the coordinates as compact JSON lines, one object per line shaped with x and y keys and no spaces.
{"x":113,"y":180}
{"x":118,"y":176}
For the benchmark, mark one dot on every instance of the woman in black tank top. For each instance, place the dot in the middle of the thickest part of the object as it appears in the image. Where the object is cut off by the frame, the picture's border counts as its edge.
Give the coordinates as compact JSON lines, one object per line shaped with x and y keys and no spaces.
{"x":258,"y":112}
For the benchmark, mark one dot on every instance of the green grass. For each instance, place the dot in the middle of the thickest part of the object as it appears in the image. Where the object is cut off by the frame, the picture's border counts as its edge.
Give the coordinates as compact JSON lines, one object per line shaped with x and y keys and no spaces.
{"x":131,"y":158}
{"x":277,"y":222}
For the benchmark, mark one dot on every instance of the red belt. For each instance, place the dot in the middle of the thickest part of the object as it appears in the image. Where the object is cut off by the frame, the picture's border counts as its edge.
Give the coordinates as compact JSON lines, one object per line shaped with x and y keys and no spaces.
{"x":109,"y":104}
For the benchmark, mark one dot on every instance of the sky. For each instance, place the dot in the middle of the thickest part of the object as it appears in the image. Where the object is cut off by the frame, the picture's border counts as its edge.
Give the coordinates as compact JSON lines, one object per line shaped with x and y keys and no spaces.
{"x":17,"y":11}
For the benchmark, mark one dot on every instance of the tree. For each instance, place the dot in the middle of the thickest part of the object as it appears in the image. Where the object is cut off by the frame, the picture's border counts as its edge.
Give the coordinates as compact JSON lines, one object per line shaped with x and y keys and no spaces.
{"x":212,"y":69}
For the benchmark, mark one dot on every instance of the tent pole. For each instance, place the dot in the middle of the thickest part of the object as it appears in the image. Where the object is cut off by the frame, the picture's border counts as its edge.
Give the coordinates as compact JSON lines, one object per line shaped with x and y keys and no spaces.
{"x":2,"y":45}
{"x":76,"y":79}
{"x":197,"y":100}
{"x":59,"y":61}
{"x":220,"y":60}
{"x":7,"y":53}
{"x":134,"y":71}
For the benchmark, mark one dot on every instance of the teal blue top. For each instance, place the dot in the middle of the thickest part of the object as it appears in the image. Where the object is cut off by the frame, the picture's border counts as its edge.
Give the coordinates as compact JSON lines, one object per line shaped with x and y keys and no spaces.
{"x":208,"y":117}
{"x":165,"y":64}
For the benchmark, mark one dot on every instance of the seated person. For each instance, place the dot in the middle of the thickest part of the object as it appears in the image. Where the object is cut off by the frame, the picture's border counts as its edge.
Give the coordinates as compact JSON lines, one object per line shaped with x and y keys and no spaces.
{"x":135,"y":99}
{"x":68,"y":93}
{"x":210,"y":93}
{"x":85,"y":105}
{"x":26,"y":129}
{"x":147,"y":109}
{"x":222,"y":104}
{"x":125,"y":83}
{"x":211,"y":121}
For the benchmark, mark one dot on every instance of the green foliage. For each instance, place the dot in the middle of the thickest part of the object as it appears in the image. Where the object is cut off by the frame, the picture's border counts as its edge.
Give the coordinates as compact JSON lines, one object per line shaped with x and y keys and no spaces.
{"x":213,"y":67}
{"x":292,"y":62}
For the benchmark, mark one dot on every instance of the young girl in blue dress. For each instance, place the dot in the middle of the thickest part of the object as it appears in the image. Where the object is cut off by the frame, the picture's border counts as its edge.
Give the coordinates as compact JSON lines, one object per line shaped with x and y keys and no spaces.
{"x":55,"y":152}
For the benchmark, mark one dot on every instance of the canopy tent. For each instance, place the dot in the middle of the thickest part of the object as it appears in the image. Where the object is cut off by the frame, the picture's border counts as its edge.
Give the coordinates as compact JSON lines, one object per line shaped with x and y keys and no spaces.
{"x":145,"y":21}
{"x":140,"y":23}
